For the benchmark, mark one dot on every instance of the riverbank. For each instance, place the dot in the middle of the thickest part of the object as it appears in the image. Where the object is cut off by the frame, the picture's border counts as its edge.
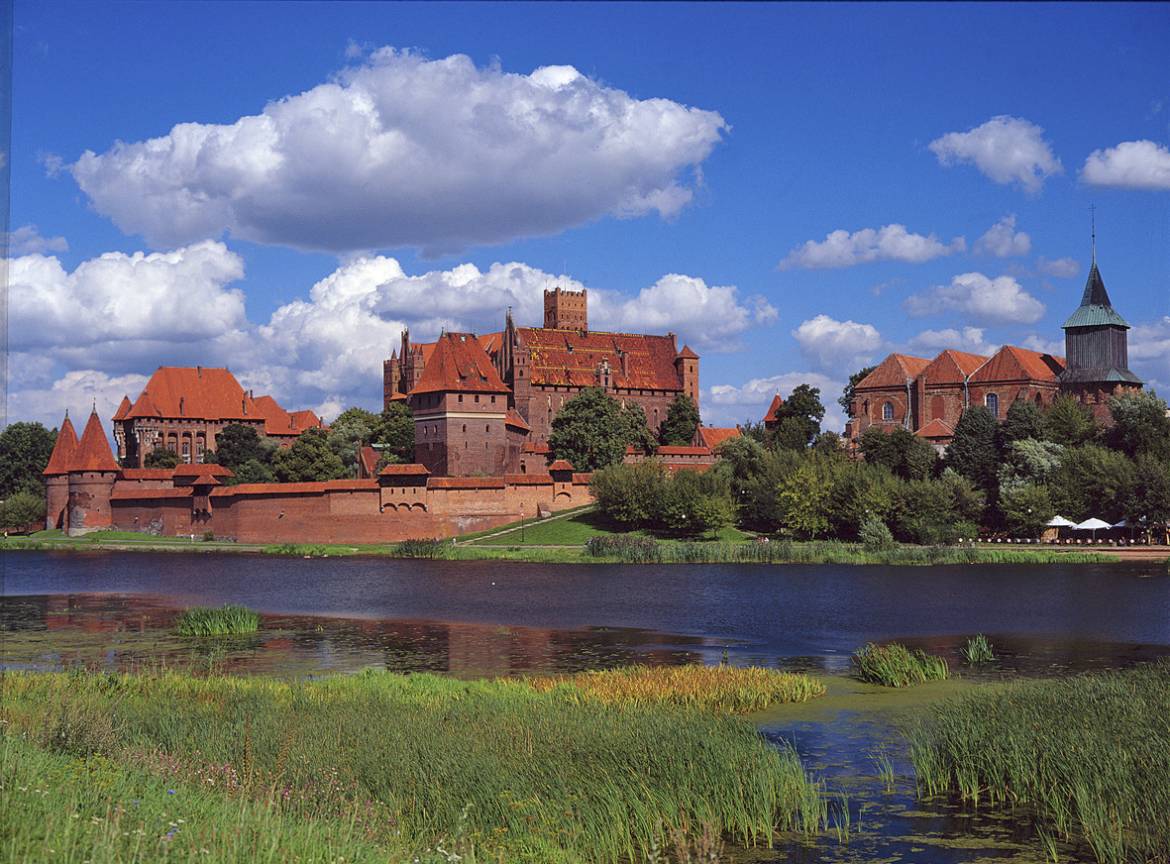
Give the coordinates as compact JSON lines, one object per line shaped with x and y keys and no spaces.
{"x":379,"y":767}
{"x":524,"y":544}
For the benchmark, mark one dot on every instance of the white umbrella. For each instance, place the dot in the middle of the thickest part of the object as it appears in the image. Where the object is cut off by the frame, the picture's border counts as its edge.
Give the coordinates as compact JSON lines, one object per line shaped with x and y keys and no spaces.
{"x":1121,"y":524}
{"x":1092,"y":525}
{"x":1060,"y":522}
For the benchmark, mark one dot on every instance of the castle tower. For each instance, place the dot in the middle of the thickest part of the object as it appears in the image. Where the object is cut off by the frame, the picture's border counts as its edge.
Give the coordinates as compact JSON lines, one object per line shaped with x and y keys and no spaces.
{"x":56,"y":475}
{"x":1096,"y":349}
{"x":91,"y":480}
{"x":687,"y":364}
{"x":566,"y":310}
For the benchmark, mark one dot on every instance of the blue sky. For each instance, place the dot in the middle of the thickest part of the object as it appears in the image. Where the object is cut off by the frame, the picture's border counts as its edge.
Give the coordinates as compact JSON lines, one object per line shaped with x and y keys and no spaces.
{"x":690,"y":172}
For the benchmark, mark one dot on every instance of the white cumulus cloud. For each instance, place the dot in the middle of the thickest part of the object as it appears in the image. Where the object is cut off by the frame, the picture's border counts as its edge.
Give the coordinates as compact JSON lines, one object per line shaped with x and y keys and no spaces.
{"x":834,"y":344}
{"x":1130,"y":165}
{"x":405,"y":151}
{"x":1061,"y":268}
{"x":729,"y":404}
{"x":1005,"y":149}
{"x":1003,"y":240}
{"x":27,"y":240}
{"x":892,"y":242}
{"x":999,"y":301}
{"x":970,"y":339}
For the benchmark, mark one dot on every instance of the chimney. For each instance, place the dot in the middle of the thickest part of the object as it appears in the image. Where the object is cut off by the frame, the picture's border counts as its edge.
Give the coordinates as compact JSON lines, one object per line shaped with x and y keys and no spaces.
{"x":199,"y":371}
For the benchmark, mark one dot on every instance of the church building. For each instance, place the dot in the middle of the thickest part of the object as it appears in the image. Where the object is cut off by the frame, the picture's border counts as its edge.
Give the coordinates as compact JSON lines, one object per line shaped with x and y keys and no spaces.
{"x":927,"y":396}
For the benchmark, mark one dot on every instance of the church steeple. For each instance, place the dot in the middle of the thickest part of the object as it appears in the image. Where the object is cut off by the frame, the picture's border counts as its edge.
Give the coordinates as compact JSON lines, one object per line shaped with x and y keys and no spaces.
{"x":1095,"y":341}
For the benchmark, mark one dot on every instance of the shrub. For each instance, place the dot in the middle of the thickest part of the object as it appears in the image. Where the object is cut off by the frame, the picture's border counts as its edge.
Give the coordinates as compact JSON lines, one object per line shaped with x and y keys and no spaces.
{"x":895,"y":665}
{"x":21,"y":510}
{"x":424,"y":547}
{"x":625,"y":547}
{"x":875,"y":535}
{"x":978,"y":650}
{"x":227,"y":620}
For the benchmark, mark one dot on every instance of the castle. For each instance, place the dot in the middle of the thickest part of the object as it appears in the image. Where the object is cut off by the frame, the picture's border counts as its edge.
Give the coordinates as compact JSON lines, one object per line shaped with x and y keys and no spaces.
{"x":927,"y":396}
{"x":183,"y":409}
{"x":485,"y":404}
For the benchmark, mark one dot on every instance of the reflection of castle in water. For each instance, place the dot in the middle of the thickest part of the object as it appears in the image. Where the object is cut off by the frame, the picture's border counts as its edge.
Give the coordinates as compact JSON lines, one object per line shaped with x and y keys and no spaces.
{"x":135,"y":631}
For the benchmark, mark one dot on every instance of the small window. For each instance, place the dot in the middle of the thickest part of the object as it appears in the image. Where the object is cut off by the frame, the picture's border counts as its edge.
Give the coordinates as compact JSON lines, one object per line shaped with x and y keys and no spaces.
{"x":992,"y":403}
{"x":487,"y":427}
{"x":493,"y":400}
{"x":464,"y":428}
{"x":888,"y":411}
{"x":476,"y":397}
{"x":460,"y":397}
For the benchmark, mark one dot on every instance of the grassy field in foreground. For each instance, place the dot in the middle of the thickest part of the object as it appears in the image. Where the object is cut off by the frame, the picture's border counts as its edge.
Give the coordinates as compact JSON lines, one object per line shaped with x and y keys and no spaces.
{"x":377,"y":767}
{"x":1089,"y":755}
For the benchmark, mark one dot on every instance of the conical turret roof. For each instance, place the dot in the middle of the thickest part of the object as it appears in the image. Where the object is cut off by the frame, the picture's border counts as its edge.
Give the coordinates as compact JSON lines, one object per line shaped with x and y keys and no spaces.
{"x":64,"y":450}
{"x":1095,"y":310}
{"x":93,"y":452}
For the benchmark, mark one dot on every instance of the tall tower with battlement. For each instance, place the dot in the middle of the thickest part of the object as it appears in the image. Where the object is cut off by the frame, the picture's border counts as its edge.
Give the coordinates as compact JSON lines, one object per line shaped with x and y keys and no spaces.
{"x":566,"y":310}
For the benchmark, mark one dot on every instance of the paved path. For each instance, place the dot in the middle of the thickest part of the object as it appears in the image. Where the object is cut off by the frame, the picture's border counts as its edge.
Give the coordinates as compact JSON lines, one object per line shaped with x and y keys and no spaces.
{"x":504,"y":531}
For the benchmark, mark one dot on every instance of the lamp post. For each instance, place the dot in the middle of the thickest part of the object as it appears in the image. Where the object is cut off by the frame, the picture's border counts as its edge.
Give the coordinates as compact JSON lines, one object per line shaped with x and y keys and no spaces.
{"x":521,"y":524}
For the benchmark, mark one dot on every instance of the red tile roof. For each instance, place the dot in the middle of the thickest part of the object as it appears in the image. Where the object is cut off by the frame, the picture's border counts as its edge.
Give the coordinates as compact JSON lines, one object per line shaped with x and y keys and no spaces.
{"x":93,"y":451}
{"x":773,"y":409}
{"x":197,"y":469}
{"x":368,"y":459}
{"x":513,"y":418}
{"x":205,"y":393}
{"x":894,"y":371}
{"x":582,"y":479}
{"x":412,"y":469}
{"x":561,"y":465}
{"x":65,"y":448}
{"x":936,"y":428}
{"x":677,"y":450}
{"x":536,"y":447}
{"x":351,"y":485}
{"x":123,"y":409}
{"x":1011,"y":363}
{"x":459,"y":364}
{"x":306,"y":419}
{"x":687,"y":354}
{"x":270,"y":489}
{"x":148,"y":473}
{"x":952,"y":367}
{"x":571,"y":357}
{"x":466,"y":483}
{"x":713,"y":436}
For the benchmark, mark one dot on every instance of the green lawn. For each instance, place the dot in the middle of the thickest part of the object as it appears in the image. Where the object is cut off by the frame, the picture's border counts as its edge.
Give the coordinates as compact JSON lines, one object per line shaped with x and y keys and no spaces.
{"x":575,"y":530}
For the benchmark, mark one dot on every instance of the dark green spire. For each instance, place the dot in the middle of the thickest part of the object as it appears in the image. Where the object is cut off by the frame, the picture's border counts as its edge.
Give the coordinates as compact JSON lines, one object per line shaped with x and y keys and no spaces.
{"x":1095,"y":309}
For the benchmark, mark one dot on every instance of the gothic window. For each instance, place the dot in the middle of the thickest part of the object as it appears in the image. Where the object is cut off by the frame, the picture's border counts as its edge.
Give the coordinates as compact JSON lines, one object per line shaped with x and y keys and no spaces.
{"x":992,"y":403}
{"x":887,"y":410}
{"x":937,"y":408}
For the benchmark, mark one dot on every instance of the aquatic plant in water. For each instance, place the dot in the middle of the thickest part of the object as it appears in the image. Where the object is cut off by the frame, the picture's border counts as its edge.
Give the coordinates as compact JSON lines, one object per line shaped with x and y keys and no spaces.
{"x":1089,"y":756}
{"x":227,"y":620}
{"x":733,"y":689}
{"x":895,"y":665}
{"x":978,"y":650}
{"x":386,"y":766}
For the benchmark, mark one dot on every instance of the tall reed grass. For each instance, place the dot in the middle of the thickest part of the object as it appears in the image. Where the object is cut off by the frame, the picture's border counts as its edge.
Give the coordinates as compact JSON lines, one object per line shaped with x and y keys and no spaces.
{"x":227,"y":620}
{"x":895,"y":665}
{"x":733,"y":689}
{"x":978,"y":650}
{"x":408,"y":762}
{"x":1089,"y":756}
{"x":426,"y":547}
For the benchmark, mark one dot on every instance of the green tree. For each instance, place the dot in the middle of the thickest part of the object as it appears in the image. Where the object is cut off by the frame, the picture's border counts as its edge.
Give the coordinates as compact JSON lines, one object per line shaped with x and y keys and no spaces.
{"x":23,"y":509}
{"x":845,"y":400}
{"x":682,"y":419}
{"x":1026,"y":508}
{"x":694,"y":503}
{"x":395,"y":432}
{"x":309,"y":458}
{"x":25,"y":449}
{"x":1030,"y":460}
{"x":753,"y":474}
{"x":160,"y":457}
{"x":589,"y":431}
{"x":804,"y":498}
{"x":972,"y":451}
{"x":252,"y":471}
{"x":1148,"y":504}
{"x":860,"y":491}
{"x":237,"y":444}
{"x":1068,"y":422}
{"x":353,"y":428}
{"x":629,"y":494}
{"x":637,"y":432}
{"x":1140,"y":425}
{"x":1024,"y":420}
{"x":900,"y":450}
{"x":1092,"y":481}
{"x":925,"y":513}
{"x":799,"y":419}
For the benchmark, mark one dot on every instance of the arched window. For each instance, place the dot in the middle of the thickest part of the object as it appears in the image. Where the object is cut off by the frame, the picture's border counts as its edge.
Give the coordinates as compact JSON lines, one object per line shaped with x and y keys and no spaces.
{"x":887,"y":410}
{"x":938,"y":407}
{"x":992,"y":403}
